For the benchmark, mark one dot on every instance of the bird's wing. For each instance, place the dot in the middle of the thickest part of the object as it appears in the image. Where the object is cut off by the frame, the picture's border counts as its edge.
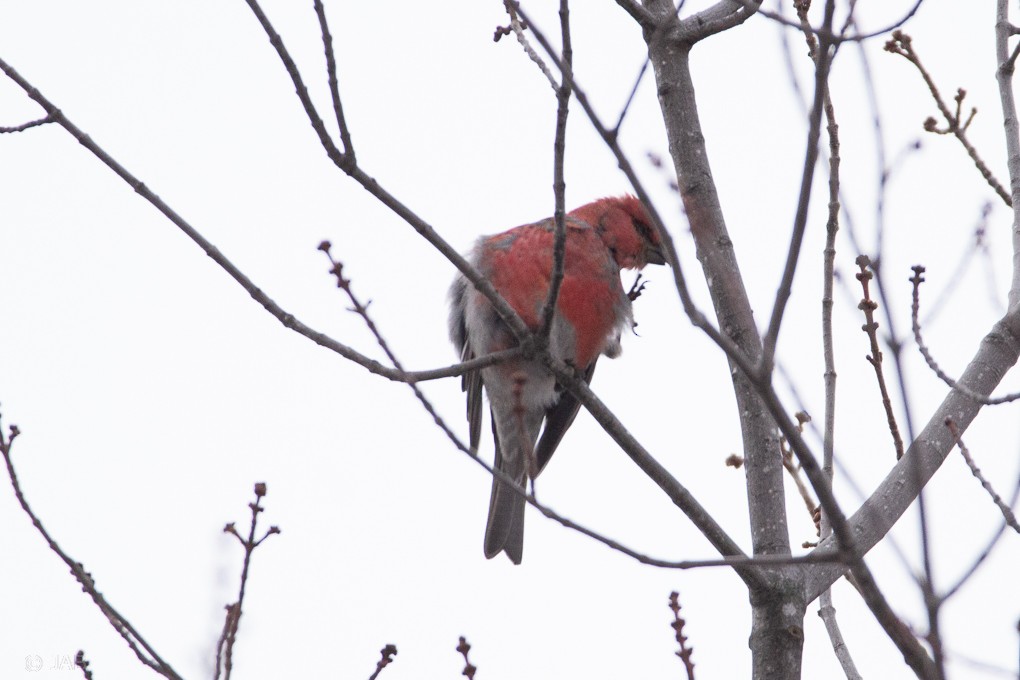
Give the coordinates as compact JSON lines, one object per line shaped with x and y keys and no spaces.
{"x":471,"y":382}
{"x":557,"y":419}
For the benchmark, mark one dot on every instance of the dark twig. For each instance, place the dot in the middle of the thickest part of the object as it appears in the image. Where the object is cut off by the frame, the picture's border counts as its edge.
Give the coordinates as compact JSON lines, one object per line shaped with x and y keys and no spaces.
{"x":283,"y":316}
{"x":826,"y":610}
{"x":1006,"y":511}
{"x":81,"y":662}
{"x":868,"y":306}
{"x":823,"y":55}
{"x":386,"y":655}
{"x":469,"y":668}
{"x":142,"y":649}
{"x":736,"y":561}
{"x":637,"y":12}
{"x":559,"y":185}
{"x":917,"y":279}
{"x":334,"y":86}
{"x":793,"y":469}
{"x":678,"y":624}
{"x":25,"y":126}
{"x":225,"y":646}
{"x":902,"y":45}
{"x":989,"y":547}
{"x":361,"y":310}
{"x":828,"y":33}
{"x":517,"y":25}
{"x":370,"y":184}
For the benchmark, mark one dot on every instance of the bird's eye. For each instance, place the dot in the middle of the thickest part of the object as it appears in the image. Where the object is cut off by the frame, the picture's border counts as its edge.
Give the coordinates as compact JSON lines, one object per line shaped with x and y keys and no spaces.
{"x":645,"y":230}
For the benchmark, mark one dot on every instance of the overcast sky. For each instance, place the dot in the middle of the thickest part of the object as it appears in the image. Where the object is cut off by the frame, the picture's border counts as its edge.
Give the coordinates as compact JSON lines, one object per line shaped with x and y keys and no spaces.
{"x":152,"y":392}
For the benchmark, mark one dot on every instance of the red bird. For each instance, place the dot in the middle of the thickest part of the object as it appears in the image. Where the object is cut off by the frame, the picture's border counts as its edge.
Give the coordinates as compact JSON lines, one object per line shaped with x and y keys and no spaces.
{"x":592,"y":309}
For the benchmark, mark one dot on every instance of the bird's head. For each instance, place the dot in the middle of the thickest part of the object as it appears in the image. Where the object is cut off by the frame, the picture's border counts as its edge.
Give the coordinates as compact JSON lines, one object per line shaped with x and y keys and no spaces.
{"x":626,"y":228}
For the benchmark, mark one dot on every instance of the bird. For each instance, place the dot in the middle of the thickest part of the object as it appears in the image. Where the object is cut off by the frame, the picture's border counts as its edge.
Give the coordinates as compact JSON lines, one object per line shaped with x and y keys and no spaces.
{"x":530,"y":411}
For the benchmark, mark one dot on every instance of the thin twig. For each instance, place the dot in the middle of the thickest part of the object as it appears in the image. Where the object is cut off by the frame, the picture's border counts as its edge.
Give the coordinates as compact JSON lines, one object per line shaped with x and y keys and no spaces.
{"x":518,"y":28}
{"x":334,"y":86}
{"x":25,"y":126}
{"x":790,"y":464}
{"x":1007,"y":512}
{"x":81,"y":662}
{"x":868,"y":306}
{"x":902,"y":44}
{"x":989,"y":547}
{"x":225,"y":646}
{"x":826,"y":611}
{"x":282,"y":315}
{"x":678,"y":624}
{"x":559,"y":185}
{"x":386,"y":655}
{"x":917,"y":279}
{"x":1004,"y":29}
{"x":142,"y":649}
{"x":837,"y":39}
{"x":469,"y":668}
{"x":823,"y":60}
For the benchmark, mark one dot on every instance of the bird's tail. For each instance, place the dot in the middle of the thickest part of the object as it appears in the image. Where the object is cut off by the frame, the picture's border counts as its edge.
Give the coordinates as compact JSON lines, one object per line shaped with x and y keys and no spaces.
{"x":504,"y":530}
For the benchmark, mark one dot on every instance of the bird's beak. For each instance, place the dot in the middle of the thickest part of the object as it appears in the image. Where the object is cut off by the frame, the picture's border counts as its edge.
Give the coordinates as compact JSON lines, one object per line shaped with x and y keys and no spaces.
{"x":653,"y":255}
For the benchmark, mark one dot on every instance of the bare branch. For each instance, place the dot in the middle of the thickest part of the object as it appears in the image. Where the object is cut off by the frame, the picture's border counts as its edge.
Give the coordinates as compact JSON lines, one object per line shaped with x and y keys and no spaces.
{"x":81,"y":662}
{"x":997,"y":353}
{"x":1006,"y":511}
{"x":513,"y":8}
{"x":722,"y":16}
{"x":386,"y":655}
{"x":902,"y":45}
{"x":836,"y":39}
{"x":1010,"y":126}
{"x":989,"y":547}
{"x":469,"y":668}
{"x":370,"y":184}
{"x":225,"y":646}
{"x":142,"y":649}
{"x":823,"y":60}
{"x":917,"y":279}
{"x":678,"y":624}
{"x":559,"y":185}
{"x":334,"y":85}
{"x":637,"y":12}
{"x":828,"y":615}
{"x":868,"y":306}
{"x":26,"y":126}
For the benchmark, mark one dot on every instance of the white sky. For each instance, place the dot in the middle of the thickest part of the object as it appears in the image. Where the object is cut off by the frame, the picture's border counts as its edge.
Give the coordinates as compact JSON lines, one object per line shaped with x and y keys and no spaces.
{"x":152,"y":392}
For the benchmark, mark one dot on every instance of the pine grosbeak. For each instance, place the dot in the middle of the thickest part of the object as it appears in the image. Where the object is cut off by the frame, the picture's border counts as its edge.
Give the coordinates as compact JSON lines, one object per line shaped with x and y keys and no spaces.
{"x":592,"y":309}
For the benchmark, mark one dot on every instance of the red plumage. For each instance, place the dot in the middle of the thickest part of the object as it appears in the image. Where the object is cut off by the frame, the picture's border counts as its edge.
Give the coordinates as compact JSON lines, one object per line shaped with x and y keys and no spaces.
{"x":592,"y":309}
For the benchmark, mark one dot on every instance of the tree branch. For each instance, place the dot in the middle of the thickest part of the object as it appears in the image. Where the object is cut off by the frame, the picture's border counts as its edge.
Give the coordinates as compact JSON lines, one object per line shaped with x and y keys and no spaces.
{"x":1011,"y":129}
{"x":997,"y":353}
{"x":138,"y":644}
